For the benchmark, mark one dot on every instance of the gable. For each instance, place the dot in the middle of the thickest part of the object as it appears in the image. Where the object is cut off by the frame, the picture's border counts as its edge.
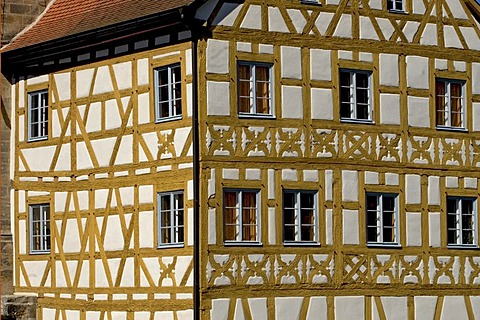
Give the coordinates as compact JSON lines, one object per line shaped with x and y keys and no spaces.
{"x":446,"y":24}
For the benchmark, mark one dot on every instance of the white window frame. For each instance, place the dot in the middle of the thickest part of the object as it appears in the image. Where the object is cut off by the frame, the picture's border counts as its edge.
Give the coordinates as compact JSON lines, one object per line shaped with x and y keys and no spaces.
{"x":175,"y":211}
{"x":379,"y":217}
{"x":44,"y":236}
{"x":239,"y":228}
{"x":171,"y":92}
{"x":448,"y":95}
{"x":298,"y":218}
{"x":42,"y":115}
{"x":459,"y":221}
{"x":353,"y":95}
{"x":394,"y":6}
{"x":253,"y":91}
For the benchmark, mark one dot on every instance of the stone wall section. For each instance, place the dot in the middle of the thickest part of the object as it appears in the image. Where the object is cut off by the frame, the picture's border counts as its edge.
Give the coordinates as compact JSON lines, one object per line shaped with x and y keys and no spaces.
{"x":16,"y":15}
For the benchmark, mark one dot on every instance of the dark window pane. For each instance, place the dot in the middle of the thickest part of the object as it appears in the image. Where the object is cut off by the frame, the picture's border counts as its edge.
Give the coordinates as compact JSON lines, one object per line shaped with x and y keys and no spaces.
{"x":165,"y":202}
{"x":249,"y":232}
{"x":452,"y":236}
{"x":289,"y":200}
{"x":388,"y":203}
{"x":345,"y":94}
{"x":389,"y":4}
{"x":180,"y":217}
{"x":36,"y":213}
{"x":388,"y":219}
{"x":163,"y":77}
{"x":308,"y":216}
{"x":467,"y":222}
{"x":289,"y":216}
{"x":165,"y":235}
{"x":362,"y":96}
{"x":249,"y":199}
{"x":307,"y":233}
{"x":263,"y":106}
{"x":245,"y":105}
{"x":306,"y":200}
{"x":372,"y":234}
{"x":467,"y":206}
{"x":262,"y":73}
{"x":163,"y":93}
{"x":180,"y":234}
{"x":362,"y":111}
{"x":371,"y":218}
{"x":451,"y":221}
{"x":166,"y":219}
{"x":177,"y":77}
{"x":47,"y":246}
{"x":362,"y":80}
{"x":44,"y":97}
{"x":451,"y":205}
{"x":178,"y":200}
{"x":345,"y":78}
{"x":36,"y":228}
{"x":231,"y":199}
{"x":249,"y":216}
{"x":388,"y":235}
{"x":289,"y":233}
{"x":372,"y":202}
{"x":230,"y":216}
{"x":244,"y":72}
{"x":345,"y":111}
{"x":34,"y":116}
{"x":230,"y":232}
{"x":467,"y":237}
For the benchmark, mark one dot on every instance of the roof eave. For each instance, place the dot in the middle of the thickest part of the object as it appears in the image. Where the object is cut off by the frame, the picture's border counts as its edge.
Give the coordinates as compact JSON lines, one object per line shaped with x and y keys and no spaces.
{"x":16,"y":59}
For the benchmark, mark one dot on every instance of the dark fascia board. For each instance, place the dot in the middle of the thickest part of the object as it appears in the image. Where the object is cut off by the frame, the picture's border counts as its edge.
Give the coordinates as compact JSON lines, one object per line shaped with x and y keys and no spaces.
{"x":474,"y":8}
{"x":18,"y":60}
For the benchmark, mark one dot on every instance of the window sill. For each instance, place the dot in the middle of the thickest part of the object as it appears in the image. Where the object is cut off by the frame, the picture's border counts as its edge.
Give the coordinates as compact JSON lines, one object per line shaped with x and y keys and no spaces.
{"x":301,"y":244}
{"x":171,"y":245}
{"x":397,"y":11}
{"x":357,"y":121}
{"x":37,"y":139}
{"x":255,"y":116}
{"x":384,"y":245}
{"x":167,"y":119}
{"x":39,"y":252}
{"x":455,"y":129}
{"x":462,"y":246}
{"x":242,"y":244}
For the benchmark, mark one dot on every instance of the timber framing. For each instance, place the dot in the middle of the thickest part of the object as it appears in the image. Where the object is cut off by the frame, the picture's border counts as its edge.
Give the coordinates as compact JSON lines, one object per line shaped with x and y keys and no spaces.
{"x":106,"y":160}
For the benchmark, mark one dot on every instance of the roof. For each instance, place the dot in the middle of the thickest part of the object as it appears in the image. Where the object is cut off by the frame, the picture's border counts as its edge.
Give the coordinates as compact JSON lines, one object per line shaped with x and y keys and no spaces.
{"x":64,"y":18}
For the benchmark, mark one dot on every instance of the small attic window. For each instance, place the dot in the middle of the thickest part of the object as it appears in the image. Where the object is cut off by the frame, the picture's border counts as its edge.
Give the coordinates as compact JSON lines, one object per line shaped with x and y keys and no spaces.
{"x":396,"y":6}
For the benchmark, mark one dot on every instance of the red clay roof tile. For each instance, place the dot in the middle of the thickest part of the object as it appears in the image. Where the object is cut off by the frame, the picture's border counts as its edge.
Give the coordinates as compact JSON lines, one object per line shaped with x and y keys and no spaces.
{"x":68,"y":17}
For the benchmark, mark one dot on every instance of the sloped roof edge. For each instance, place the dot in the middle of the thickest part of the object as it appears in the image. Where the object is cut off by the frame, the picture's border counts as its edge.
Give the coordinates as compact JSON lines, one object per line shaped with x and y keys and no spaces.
{"x":65,"y":18}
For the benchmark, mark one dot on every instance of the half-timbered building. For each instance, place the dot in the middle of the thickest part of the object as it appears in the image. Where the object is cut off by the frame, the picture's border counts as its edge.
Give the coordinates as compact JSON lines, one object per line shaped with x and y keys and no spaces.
{"x":258,"y":159}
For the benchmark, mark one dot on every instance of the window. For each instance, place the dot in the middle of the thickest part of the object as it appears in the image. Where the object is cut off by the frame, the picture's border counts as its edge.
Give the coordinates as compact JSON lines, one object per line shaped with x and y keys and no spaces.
{"x":241,"y":216}
{"x":299,"y":216}
{"x":170,"y":218}
{"x":355,"y":95}
{"x":461,"y":221}
{"x":395,"y":5}
{"x":38,"y":115}
{"x":449,"y":103}
{"x":39,"y":228}
{"x":382,"y":218}
{"x":254,"y":88}
{"x":168,"y":92}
